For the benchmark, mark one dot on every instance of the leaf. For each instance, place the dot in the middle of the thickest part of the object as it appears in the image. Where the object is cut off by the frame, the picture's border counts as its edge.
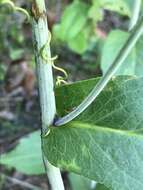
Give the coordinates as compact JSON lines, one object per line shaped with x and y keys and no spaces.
{"x":132,"y":65}
{"x":95,"y":12}
{"x":80,"y":16}
{"x":81,"y":183}
{"x":105,"y":142}
{"x":120,"y":6}
{"x":101,"y":187}
{"x":26,"y":157}
{"x":2,"y":71}
{"x":73,"y":20}
{"x":16,"y":53}
{"x":112,"y":47}
{"x":73,"y":27}
{"x":80,"y":43}
{"x":111,"y":103}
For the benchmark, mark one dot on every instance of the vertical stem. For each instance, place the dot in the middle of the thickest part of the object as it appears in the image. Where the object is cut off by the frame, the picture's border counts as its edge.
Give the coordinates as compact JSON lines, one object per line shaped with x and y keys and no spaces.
{"x":135,"y":13}
{"x":45,"y":82}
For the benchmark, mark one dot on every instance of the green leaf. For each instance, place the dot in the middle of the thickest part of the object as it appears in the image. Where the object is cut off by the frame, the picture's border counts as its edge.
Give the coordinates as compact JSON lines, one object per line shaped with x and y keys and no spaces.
{"x":79,"y":16}
{"x":101,"y":187}
{"x":80,"y":43}
{"x":2,"y":71}
{"x":73,"y":27}
{"x":133,"y":64}
{"x":26,"y":157}
{"x":73,"y":20}
{"x":119,"y":6}
{"x":105,"y":142}
{"x":112,"y":47}
{"x":95,"y":12}
{"x":16,"y":53}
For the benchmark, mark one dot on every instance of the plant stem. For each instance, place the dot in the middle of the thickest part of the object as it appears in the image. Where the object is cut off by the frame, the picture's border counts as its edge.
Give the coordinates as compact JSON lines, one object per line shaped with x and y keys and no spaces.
{"x":45,"y":82}
{"x":124,"y":52}
{"x":21,"y":183}
{"x":135,"y":13}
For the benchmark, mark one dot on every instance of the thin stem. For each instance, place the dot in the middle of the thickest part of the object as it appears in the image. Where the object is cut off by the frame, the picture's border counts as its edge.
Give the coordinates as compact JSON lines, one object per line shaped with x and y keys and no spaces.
{"x":134,"y":36}
{"x":93,"y":184}
{"x":21,"y":183}
{"x":135,"y":13}
{"x":53,"y":175}
{"x":45,"y":81}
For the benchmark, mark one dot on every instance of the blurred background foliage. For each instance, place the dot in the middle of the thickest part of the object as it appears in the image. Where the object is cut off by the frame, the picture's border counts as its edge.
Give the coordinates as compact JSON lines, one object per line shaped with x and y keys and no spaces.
{"x":79,"y":29}
{"x":86,"y":36}
{"x":81,"y":26}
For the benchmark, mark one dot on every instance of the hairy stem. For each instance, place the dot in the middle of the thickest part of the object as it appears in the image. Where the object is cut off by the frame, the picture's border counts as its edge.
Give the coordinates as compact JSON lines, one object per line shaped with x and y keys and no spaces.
{"x":45,"y":82}
{"x":135,"y":13}
{"x":134,"y":36}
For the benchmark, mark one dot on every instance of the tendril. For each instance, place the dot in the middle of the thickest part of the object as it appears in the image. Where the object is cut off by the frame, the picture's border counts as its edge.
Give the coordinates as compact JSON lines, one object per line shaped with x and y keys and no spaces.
{"x":43,"y":53}
{"x":60,"y":80}
{"x":8,"y":2}
{"x":16,"y":8}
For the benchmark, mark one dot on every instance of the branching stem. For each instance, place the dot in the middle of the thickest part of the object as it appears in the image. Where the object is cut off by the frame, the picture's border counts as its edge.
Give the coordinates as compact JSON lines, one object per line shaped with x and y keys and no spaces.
{"x":134,"y":36}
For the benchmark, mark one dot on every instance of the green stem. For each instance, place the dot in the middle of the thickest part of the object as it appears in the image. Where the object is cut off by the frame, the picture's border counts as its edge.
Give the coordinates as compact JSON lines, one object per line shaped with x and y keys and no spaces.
{"x":45,"y":82}
{"x":134,"y":36}
{"x":135,"y":13}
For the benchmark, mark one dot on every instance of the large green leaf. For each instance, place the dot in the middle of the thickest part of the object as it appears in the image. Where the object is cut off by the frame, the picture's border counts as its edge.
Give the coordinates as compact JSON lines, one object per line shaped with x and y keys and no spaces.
{"x":26,"y":157}
{"x":133,"y":64}
{"x":120,"y":100}
{"x":105,"y":142}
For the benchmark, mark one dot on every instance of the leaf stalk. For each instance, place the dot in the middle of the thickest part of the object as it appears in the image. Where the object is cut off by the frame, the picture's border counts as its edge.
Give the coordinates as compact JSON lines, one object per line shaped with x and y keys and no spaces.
{"x":124,"y":52}
{"x":135,"y":13}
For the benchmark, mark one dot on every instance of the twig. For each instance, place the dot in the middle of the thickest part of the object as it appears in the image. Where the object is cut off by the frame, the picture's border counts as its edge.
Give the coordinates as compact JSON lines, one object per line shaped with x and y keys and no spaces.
{"x":21,"y":183}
